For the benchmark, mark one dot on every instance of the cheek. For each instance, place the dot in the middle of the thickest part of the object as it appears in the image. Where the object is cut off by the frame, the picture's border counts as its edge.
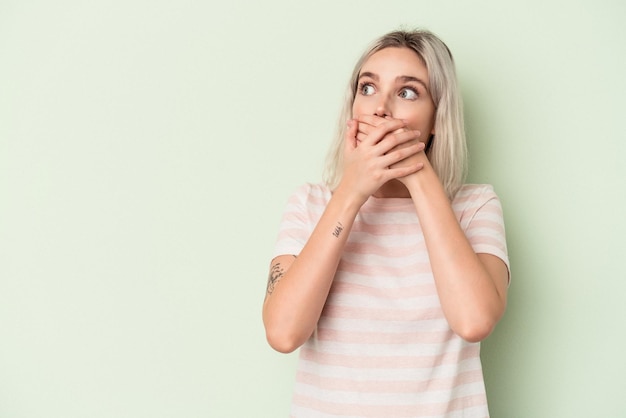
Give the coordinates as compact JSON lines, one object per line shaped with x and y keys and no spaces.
{"x":357,"y":108}
{"x":422,"y":119}
{"x":363,"y":106}
{"x":415,"y":121}
{"x":431,"y":121}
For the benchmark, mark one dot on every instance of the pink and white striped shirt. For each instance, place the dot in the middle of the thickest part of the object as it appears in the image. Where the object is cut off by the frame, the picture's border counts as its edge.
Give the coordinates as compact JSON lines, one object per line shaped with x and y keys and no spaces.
{"x":382,"y":347}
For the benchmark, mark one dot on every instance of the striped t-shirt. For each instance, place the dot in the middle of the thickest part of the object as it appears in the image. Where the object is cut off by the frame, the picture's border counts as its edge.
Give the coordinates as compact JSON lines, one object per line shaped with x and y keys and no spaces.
{"x":382,"y":347}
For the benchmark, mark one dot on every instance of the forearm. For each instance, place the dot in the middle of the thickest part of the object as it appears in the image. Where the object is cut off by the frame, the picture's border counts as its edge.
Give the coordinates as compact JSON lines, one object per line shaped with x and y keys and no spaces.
{"x":292,"y":309}
{"x":468,"y":291}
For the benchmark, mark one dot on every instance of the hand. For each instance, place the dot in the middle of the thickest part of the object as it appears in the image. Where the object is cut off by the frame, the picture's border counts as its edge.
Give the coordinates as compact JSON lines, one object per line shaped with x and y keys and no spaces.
{"x":373,"y":155}
{"x":367,"y":125}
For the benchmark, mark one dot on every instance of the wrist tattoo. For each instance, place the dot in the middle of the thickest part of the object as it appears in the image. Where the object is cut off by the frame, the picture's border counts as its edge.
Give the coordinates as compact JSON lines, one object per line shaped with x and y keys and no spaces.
{"x":338,"y":229}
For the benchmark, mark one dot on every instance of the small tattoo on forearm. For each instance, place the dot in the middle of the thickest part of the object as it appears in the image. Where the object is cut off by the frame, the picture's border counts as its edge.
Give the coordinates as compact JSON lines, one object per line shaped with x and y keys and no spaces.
{"x":338,"y":229}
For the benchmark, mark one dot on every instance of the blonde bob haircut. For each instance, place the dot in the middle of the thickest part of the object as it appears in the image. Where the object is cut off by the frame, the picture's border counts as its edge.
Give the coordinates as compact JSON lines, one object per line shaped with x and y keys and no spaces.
{"x":447,"y":151}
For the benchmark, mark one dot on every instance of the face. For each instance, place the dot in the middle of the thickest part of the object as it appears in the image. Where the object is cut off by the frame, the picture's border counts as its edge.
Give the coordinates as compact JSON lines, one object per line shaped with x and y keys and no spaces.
{"x":393,"y":82}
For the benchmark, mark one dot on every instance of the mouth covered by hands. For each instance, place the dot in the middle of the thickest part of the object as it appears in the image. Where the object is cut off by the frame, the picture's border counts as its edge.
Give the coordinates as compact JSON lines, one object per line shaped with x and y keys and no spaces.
{"x":376,"y":151}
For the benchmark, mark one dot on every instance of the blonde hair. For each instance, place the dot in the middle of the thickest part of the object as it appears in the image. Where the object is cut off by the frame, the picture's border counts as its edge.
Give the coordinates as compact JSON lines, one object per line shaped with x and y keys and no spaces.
{"x":447,"y":152}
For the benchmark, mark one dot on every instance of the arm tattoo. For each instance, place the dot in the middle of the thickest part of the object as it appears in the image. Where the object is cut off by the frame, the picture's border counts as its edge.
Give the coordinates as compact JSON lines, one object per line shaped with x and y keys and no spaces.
{"x":338,"y":229}
{"x":276,"y":273}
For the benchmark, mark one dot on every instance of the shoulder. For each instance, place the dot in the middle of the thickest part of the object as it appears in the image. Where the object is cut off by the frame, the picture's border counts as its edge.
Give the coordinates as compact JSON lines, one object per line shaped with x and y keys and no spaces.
{"x":315,"y":190}
{"x":310,"y":194}
{"x":475,"y":193}
{"x":318,"y":189}
{"x":474,"y":198}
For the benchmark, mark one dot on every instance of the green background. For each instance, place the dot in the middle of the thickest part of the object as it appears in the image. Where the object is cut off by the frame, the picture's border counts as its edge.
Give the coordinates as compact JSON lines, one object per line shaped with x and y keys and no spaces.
{"x":147,"y":149}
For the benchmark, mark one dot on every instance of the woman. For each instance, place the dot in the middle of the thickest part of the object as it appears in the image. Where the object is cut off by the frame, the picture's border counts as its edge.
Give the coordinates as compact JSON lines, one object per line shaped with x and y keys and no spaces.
{"x":390,"y":273}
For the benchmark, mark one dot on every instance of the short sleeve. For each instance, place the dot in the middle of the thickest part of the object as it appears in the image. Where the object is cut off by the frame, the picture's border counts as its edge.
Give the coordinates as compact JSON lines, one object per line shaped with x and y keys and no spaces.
{"x":484,"y":223}
{"x":296,"y":224}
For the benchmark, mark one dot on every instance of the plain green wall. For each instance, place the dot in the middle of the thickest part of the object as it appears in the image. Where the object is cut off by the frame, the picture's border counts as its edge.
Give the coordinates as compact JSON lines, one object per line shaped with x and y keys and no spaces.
{"x":147,"y":149}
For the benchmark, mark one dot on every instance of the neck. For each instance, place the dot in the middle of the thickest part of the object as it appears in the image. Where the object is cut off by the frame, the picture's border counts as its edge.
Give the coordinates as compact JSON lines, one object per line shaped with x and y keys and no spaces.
{"x":392,"y":188}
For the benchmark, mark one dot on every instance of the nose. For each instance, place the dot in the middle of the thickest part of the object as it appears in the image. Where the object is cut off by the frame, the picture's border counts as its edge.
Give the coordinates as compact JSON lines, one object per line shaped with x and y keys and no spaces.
{"x":382,"y":107}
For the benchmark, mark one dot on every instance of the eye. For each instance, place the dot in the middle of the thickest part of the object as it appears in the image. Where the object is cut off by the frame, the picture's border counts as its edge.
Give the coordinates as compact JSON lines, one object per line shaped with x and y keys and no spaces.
{"x":366,"y":89}
{"x":408,"y":93}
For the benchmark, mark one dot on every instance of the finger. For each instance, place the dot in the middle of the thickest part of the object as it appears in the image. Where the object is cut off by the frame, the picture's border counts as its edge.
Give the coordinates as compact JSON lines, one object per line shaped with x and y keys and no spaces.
{"x":401,"y":129}
{"x":367,"y":123}
{"x":399,"y":172}
{"x":371,"y":120}
{"x":366,"y":129}
{"x":374,"y":120}
{"x":383,"y":129}
{"x":351,"y":132}
{"x":399,"y":154}
{"x":394,"y":139}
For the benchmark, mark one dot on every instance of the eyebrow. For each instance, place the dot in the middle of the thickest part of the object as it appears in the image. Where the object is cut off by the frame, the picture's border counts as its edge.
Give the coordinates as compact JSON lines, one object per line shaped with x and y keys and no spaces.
{"x":403,"y":78}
